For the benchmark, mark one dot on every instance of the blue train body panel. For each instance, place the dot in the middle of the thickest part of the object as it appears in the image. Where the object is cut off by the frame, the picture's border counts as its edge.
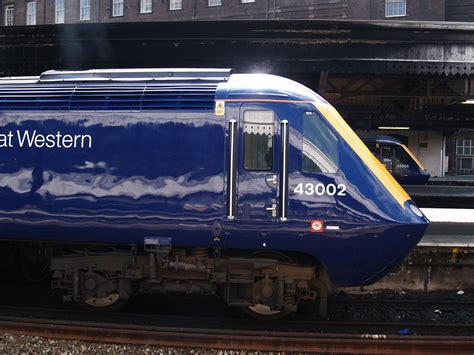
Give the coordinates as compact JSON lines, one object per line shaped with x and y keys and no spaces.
{"x":117,"y":167}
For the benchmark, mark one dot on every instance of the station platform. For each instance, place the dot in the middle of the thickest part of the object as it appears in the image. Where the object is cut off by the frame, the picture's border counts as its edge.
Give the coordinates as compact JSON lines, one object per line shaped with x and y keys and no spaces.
{"x":447,"y":241}
{"x":449,"y":215}
{"x":439,"y":191}
{"x":441,"y":195}
{"x":450,"y":227}
{"x":466,"y":180}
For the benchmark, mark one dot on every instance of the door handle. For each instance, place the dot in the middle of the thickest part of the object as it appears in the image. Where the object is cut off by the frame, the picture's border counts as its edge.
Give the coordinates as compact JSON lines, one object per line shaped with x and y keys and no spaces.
{"x":273,"y":209}
{"x":272,"y":179}
{"x":231,"y":198}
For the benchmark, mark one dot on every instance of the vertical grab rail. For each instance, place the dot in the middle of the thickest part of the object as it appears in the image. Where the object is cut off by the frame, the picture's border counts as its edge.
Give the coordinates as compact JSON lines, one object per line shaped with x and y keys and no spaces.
{"x":232,"y":170}
{"x":284,"y":171}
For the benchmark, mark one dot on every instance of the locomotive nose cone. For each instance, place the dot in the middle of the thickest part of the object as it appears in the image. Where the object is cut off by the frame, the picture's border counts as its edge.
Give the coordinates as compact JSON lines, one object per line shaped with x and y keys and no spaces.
{"x":416,"y":214}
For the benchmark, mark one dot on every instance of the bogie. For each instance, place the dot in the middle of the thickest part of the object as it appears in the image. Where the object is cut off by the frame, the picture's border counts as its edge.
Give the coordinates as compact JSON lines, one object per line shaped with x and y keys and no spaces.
{"x":269,"y":285}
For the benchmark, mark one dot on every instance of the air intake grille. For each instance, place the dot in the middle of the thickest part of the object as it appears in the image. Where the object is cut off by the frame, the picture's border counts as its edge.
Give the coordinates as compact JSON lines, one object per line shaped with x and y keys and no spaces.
{"x":182,"y":97}
{"x":35,"y":97}
{"x":109,"y":96}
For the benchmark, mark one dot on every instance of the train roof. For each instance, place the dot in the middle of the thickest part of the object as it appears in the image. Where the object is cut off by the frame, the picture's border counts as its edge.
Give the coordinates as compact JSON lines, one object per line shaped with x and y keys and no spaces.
{"x":144,"y":89}
{"x":267,"y":86}
{"x":123,"y":75}
{"x":382,"y":139}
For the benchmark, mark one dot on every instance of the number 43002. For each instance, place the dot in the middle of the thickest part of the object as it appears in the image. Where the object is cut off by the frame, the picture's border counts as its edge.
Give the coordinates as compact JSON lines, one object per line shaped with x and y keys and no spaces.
{"x":320,"y":189}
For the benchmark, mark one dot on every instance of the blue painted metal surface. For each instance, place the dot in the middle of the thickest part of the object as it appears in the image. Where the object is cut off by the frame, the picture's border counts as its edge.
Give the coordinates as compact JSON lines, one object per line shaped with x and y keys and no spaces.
{"x":403,"y":167}
{"x":162,"y":172}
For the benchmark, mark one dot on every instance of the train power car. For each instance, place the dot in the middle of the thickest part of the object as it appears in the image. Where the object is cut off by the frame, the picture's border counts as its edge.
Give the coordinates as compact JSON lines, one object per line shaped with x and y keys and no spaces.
{"x":398,"y":160}
{"x":246,"y":186}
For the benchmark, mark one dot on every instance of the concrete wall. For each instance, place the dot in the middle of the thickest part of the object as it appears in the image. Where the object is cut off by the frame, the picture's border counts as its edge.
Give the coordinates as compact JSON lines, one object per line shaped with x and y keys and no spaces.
{"x":428,"y":269}
{"x":429,"y":156}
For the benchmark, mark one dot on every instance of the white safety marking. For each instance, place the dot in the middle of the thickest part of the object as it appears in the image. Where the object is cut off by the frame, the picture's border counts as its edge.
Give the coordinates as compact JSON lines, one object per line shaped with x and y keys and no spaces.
{"x":455,"y":215}
{"x":445,"y":245}
{"x":332,"y":228}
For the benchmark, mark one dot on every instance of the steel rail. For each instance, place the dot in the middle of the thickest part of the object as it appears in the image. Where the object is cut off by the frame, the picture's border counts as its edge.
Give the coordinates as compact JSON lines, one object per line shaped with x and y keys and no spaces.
{"x":14,"y":313}
{"x":413,"y":302}
{"x":235,"y":339}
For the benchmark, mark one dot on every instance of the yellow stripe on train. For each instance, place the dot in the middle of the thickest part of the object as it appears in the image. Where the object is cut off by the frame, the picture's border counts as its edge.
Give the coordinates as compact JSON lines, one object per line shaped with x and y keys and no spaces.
{"x":413,"y":156}
{"x":363,"y":152}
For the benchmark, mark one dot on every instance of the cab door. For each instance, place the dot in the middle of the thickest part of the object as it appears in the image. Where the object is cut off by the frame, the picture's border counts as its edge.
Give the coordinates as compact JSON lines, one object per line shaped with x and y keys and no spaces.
{"x":258,"y":165}
{"x":386,"y":156}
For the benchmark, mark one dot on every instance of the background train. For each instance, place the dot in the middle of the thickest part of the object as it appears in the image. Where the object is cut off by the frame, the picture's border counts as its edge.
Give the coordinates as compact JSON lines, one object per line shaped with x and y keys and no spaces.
{"x":248,"y":186}
{"x":398,"y":160}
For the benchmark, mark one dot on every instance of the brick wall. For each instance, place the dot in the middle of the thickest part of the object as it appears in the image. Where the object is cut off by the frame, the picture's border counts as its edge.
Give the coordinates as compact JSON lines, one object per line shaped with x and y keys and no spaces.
{"x":101,"y":10}
{"x":417,"y":10}
{"x":460,"y":10}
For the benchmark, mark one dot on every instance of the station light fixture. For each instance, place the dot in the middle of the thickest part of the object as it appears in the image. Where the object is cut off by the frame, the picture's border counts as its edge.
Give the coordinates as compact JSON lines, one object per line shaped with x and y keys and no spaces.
{"x":394,"y":128}
{"x":468,"y":102}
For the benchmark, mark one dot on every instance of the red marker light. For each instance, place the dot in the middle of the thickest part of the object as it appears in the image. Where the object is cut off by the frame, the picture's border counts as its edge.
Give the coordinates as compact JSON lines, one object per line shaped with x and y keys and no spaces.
{"x":316,"y":226}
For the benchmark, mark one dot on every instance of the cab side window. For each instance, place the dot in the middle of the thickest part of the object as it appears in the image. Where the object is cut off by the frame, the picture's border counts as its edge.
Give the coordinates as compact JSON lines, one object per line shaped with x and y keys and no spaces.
{"x":402,"y":160}
{"x":258,"y":140}
{"x":386,"y":157}
{"x":320,"y":145}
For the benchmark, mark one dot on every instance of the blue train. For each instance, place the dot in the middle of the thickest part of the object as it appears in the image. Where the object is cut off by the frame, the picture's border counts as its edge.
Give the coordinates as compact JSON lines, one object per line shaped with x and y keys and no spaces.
{"x":398,"y":160}
{"x":248,"y":186}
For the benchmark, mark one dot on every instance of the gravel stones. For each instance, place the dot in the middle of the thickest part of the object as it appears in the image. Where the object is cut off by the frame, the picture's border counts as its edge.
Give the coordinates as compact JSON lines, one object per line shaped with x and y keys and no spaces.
{"x":23,"y":344}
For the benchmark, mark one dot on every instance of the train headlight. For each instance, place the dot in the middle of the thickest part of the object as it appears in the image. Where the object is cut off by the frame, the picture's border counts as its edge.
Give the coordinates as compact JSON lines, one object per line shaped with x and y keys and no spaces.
{"x":416,"y":210}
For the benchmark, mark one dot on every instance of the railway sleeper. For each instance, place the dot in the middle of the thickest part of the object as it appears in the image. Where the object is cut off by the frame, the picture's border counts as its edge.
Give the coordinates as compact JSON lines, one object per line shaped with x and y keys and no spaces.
{"x":263,"y":286}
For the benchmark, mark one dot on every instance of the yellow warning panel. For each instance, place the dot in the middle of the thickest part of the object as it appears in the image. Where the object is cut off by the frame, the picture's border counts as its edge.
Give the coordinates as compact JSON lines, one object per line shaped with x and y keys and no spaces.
{"x":220,"y":108}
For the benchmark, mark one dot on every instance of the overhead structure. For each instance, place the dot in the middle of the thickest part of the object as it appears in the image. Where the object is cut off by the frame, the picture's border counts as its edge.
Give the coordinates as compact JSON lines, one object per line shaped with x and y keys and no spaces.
{"x":377,"y":73}
{"x":290,"y":46}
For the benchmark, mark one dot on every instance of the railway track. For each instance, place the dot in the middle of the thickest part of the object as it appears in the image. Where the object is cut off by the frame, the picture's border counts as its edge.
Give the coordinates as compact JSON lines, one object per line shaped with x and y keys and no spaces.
{"x":238,"y":334}
{"x":235,"y":339}
{"x":406,"y":302}
{"x":167,"y":323}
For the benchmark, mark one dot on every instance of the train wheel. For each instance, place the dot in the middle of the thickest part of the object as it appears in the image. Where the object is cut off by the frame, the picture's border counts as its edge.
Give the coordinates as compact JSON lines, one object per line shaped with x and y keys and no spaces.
{"x":262,"y":311}
{"x":111,"y":302}
{"x":100,"y":292}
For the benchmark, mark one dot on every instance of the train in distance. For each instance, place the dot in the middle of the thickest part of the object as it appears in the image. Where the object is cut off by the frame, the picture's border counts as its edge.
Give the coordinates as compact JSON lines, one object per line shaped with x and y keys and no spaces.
{"x":398,"y":159}
{"x":247,"y":186}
